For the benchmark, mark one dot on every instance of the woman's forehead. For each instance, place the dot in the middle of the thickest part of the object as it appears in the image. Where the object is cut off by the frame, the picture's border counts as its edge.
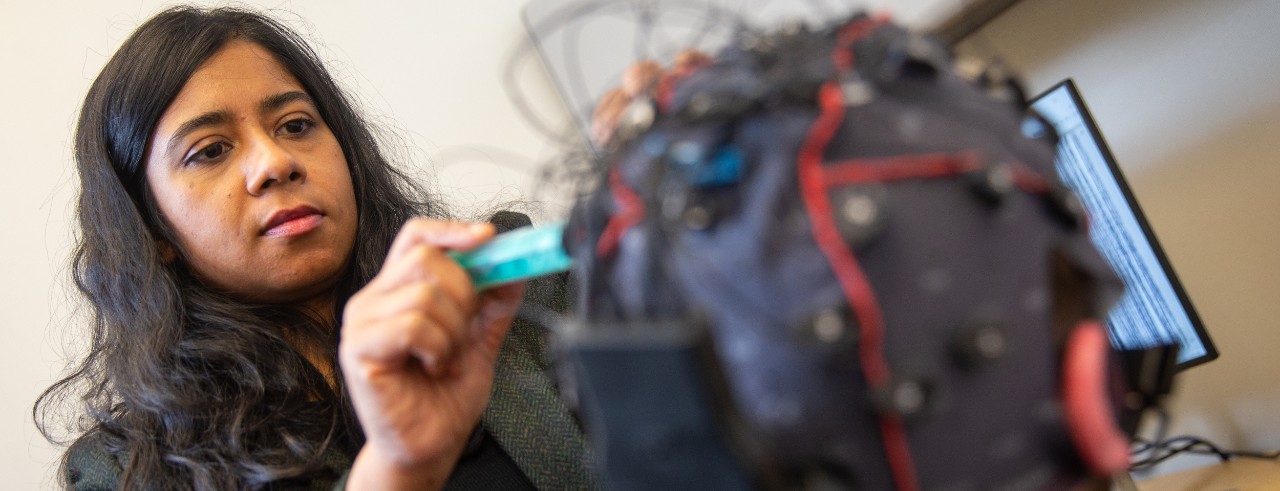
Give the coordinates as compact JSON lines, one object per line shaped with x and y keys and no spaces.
{"x":240,"y":72}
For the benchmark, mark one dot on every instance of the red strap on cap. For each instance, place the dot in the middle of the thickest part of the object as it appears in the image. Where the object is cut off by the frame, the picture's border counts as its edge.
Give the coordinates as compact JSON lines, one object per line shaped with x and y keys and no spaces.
{"x":1090,"y":418}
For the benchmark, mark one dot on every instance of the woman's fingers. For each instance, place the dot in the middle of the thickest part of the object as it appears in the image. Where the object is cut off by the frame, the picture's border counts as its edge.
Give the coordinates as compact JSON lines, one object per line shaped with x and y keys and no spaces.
{"x":418,"y":255}
{"x":423,"y":307}
{"x":425,"y":282}
{"x":422,"y":302}
{"x":437,"y":233}
{"x":419,"y":320}
{"x":442,"y":307}
{"x":394,"y":340}
{"x":424,"y":264}
{"x":498,"y":306}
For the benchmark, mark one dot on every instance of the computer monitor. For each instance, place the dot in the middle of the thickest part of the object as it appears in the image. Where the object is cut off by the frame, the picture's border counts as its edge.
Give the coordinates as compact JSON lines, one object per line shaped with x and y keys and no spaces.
{"x":1154,"y":309}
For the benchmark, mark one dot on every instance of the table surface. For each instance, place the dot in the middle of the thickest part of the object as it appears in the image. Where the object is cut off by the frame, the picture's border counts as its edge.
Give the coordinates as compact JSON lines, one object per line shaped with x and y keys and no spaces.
{"x":1241,"y":474}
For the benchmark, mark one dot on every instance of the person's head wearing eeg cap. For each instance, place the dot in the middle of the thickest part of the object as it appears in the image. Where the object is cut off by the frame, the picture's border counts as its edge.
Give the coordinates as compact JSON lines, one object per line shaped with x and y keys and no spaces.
{"x":826,"y":259}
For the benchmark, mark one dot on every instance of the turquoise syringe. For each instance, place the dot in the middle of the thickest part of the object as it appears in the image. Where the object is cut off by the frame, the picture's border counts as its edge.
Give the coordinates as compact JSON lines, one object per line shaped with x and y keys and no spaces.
{"x":520,"y":254}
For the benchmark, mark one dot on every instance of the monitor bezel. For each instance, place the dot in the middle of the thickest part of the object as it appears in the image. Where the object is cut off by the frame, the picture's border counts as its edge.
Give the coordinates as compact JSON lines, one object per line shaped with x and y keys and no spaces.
{"x":1211,"y":351}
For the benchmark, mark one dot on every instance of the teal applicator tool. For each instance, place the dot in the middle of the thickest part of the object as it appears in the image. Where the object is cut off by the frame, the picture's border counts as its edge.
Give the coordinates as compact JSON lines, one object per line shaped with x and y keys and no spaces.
{"x":520,"y":254}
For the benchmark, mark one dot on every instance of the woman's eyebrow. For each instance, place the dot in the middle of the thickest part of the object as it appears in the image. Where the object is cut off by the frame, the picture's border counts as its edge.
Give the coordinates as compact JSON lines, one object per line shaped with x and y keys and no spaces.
{"x":275,"y":102}
{"x":211,"y":118}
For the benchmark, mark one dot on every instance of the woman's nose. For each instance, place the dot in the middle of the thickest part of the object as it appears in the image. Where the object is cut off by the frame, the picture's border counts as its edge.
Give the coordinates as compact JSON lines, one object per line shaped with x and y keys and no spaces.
{"x":270,"y":165}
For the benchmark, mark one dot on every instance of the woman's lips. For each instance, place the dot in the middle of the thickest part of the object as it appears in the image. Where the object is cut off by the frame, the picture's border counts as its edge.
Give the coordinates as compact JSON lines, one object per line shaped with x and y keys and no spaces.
{"x":292,"y":222}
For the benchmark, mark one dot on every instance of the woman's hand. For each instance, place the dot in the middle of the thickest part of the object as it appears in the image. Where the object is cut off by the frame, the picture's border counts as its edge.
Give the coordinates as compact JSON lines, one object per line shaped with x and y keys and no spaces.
{"x":418,"y":352}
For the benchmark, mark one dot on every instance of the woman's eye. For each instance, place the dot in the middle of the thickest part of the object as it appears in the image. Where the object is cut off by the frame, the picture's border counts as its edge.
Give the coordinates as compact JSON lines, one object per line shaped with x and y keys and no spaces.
{"x":296,"y":126}
{"x":208,"y":153}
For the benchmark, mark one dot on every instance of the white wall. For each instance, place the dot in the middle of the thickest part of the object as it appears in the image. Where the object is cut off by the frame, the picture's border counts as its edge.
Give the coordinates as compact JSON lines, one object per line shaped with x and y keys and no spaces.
{"x":1186,"y":93}
{"x":429,"y":70}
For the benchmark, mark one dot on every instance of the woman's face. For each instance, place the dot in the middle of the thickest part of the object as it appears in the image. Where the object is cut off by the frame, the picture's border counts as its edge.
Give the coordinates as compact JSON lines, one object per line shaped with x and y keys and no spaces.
{"x":252,"y":181}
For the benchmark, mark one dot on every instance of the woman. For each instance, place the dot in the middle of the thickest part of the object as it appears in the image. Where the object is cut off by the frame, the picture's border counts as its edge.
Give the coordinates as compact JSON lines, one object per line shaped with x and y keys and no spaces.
{"x":237,"y":221}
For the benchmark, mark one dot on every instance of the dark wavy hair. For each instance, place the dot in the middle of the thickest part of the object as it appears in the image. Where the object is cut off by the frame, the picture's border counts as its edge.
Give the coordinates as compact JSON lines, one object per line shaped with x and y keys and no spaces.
{"x":182,"y":382}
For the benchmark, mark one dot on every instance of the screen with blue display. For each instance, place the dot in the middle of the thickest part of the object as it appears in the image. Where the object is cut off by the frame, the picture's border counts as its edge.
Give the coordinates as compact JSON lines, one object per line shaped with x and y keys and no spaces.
{"x":1154,"y":309}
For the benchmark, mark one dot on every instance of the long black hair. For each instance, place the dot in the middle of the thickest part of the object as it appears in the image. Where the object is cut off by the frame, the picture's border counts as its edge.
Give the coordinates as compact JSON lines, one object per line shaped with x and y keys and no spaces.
{"x":182,"y":382}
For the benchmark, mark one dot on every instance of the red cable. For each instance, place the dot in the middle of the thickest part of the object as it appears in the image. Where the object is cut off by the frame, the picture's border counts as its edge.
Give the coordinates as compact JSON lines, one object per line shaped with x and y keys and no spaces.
{"x":852,"y":280}
{"x":901,"y":167}
{"x":630,"y":213}
{"x":1029,"y":180}
{"x":1086,"y":407}
{"x":668,"y":83}
{"x":856,"y":287}
{"x":847,"y":35}
{"x":814,"y":192}
{"x":1032,"y":182}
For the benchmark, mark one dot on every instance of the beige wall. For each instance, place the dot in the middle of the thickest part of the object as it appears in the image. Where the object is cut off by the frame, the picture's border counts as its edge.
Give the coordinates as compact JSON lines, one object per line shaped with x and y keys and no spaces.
{"x":1187,"y":93}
